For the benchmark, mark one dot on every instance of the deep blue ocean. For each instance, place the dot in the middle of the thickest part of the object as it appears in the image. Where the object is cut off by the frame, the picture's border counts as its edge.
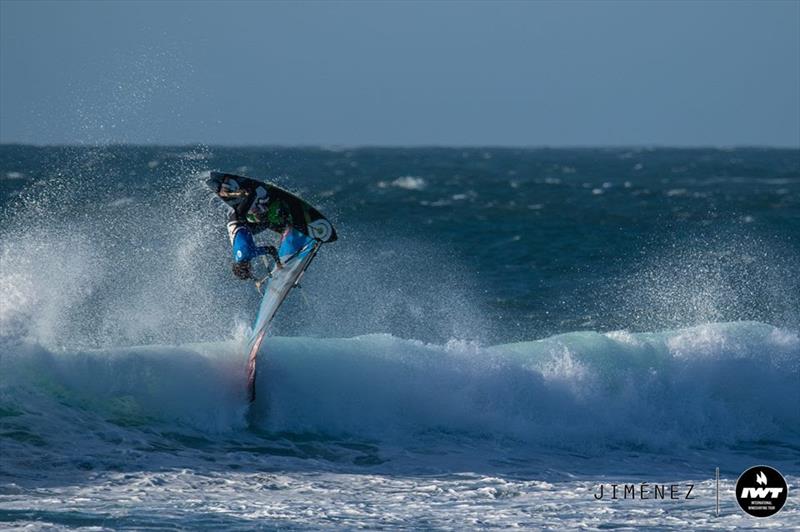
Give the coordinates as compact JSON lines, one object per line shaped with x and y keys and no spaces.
{"x":496,"y":331}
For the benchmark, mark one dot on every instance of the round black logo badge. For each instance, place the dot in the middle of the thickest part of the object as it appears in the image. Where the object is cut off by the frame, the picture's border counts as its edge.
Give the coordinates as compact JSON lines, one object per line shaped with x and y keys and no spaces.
{"x":761,"y":491}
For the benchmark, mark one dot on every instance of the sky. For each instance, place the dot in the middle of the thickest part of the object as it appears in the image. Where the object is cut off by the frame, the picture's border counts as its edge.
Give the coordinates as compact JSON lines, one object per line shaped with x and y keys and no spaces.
{"x":572,"y":73}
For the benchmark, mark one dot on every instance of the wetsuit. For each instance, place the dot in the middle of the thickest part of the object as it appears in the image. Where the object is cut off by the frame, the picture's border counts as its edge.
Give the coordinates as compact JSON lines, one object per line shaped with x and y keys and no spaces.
{"x":243,"y":246}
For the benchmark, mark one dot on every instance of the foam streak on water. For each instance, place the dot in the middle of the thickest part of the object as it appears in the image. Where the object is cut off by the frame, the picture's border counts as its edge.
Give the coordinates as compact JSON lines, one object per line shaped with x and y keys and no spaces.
{"x":335,"y":500}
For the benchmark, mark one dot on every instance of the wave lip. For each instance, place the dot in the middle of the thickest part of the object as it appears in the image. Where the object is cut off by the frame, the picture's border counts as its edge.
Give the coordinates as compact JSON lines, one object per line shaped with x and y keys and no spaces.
{"x":715,"y":384}
{"x":707,"y":386}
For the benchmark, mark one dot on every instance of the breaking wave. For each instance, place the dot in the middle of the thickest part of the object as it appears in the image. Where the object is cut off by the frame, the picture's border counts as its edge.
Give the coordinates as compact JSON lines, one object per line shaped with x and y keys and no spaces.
{"x":706,"y":386}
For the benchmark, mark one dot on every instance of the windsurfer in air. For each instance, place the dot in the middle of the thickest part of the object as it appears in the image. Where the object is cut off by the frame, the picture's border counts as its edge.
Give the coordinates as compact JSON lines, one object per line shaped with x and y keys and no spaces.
{"x":250,"y":212}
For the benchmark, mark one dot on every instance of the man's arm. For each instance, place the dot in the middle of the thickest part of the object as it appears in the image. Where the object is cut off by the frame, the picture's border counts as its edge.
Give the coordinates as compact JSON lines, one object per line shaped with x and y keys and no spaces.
{"x":271,"y":251}
{"x":246,"y":192}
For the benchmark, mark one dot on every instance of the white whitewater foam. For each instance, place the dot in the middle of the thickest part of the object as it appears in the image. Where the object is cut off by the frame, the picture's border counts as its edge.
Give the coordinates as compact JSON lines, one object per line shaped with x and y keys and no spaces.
{"x":714,"y":385}
{"x":376,"y":431}
{"x":406,"y":182}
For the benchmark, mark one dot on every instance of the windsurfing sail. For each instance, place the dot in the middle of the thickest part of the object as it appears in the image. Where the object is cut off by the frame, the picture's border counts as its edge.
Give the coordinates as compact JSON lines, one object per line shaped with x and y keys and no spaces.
{"x":283,"y":209}
{"x":304,"y":229}
{"x":296,"y":252}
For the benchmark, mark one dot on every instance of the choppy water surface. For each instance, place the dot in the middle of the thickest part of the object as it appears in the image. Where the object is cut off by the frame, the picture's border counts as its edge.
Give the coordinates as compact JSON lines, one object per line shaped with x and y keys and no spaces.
{"x":496,"y":332}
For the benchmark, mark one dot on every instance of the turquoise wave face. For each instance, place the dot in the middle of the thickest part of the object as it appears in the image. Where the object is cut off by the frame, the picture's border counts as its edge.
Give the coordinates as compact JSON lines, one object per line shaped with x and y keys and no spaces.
{"x":715,"y":386}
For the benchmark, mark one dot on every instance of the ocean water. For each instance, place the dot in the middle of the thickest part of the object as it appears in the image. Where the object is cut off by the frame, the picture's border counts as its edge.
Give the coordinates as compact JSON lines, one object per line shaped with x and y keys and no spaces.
{"x":496,"y":333}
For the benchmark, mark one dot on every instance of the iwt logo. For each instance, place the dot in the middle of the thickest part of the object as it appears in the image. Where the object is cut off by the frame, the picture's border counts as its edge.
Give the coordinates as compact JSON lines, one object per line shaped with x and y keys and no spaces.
{"x":761,"y":491}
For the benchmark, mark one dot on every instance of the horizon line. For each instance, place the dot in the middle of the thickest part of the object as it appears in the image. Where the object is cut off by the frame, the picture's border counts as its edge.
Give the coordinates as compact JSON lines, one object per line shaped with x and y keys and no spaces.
{"x":342,"y":147}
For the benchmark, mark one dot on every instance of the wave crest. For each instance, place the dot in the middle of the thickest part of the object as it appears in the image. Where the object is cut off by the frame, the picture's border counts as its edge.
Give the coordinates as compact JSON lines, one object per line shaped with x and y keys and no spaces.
{"x":712,"y":385}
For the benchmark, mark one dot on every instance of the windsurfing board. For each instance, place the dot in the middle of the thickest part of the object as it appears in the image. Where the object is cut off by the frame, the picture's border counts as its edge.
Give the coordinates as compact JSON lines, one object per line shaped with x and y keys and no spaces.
{"x":283,"y":209}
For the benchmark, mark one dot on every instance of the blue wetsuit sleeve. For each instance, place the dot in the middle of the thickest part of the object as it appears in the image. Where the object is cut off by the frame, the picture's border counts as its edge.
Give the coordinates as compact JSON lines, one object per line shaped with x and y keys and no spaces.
{"x":243,"y":246}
